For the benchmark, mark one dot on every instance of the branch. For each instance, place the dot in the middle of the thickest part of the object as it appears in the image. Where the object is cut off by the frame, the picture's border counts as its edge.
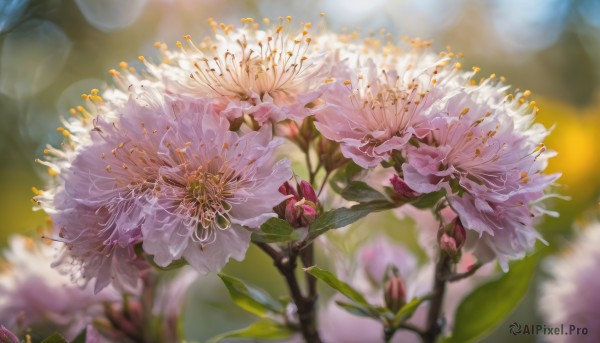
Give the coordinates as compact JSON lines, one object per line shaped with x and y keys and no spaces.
{"x":459,"y":276}
{"x":286,"y":264}
{"x":434,"y":322}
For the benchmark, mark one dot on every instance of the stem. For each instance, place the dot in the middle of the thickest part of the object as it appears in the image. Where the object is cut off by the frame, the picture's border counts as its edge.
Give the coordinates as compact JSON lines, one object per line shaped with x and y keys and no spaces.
{"x":324,"y":182}
{"x":434,"y":322}
{"x":286,"y":264}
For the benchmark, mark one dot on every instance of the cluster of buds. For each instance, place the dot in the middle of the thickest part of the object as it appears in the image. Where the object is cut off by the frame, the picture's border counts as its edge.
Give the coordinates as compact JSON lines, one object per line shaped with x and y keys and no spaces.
{"x":452,"y":238}
{"x":394,"y":290}
{"x":301,"y":207}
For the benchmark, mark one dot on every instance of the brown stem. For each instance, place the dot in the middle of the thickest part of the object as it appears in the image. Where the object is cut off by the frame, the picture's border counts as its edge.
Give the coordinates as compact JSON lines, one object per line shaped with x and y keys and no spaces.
{"x":460,"y":276}
{"x":434,"y":322}
{"x":305,"y":305}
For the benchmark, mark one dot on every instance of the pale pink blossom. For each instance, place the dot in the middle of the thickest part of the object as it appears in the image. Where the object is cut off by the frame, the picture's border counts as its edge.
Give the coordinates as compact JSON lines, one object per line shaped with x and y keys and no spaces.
{"x":373,"y":108}
{"x":171,"y":177}
{"x":490,"y":151}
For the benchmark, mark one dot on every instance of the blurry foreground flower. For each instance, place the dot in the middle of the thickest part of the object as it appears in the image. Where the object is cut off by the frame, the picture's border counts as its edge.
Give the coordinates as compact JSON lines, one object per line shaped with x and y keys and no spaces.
{"x":35,"y":296}
{"x":571,"y":298}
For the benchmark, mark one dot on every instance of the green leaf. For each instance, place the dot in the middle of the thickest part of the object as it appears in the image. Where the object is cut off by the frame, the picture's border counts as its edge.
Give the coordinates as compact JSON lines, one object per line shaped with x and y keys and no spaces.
{"x":428,"y":200}
{"x":276,"y":230}
{"x":344,"y":216}
{"x":55,"y":338}
{"x":361,"y":192}
{"x":251,"y":299}
{"x":358,"y":309}
{"x":487,"y":306}
{"x":408,"y":310}
{"x":264,"y":329}
{"x":339,"y":285}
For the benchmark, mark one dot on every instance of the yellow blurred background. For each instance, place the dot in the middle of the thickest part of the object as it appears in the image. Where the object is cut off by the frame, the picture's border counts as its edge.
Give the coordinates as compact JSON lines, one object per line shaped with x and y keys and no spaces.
{"x":51,"y":51}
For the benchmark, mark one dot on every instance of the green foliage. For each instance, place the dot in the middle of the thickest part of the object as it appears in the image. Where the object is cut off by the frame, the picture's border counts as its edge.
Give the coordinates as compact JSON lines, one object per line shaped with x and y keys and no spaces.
{"x":487,"y":306}
{"x":361,"y":192}
{"x":337,"y":284}
{"x":344,"y":216}
{"x":407,"y":311}
{"x":263,"y":329}
{"x":251,"y":299}
{"x":276,"y":230}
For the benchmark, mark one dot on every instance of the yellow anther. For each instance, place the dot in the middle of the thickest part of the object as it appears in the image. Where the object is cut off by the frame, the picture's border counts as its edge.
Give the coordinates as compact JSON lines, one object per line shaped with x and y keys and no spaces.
{"x":80,"y":108}
{"x":288,"y":18}
{"x":123,"y":65}
{"x":188,"y":37}
{"x":141,"y":58}
{"x":493,"y":76}
{"x":476,"y":69}
{"x":113,"y":72}
{"x":347,"y":82}
{"x":527,"y":93}
{"x":156,"y":44}
{"x":46,"y":151}
{"x":95,"y":91}
{"x":322,"y":14}
{"x":37,"y":191}
{"x":72,"y":111}
{"x":52,"y":172}
{"x":464,"y":111}
{"x":84,"y":96}
{"x":457,"y":65}
{"x":178,"y":44}
{"x":279,"y":28}
{"x":267,"y":21}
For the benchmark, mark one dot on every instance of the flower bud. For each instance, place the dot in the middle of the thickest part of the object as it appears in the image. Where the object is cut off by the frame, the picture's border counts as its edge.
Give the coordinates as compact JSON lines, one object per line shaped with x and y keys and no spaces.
{"x":448,"y":244}
{"x":452,"y":238}
{"x":402,"y":188}
{"x":6,"y":336}
{"x":395,"y":292}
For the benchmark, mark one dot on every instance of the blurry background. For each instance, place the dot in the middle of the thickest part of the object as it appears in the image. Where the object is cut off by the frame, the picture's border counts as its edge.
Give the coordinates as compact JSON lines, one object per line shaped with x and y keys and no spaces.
{"x":51,"y":51}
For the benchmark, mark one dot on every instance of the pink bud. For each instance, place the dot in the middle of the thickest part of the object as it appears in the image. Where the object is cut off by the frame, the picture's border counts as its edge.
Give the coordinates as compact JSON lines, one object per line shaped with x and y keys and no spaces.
{"x":395,"y":292}
{"x":6,"y":336}
{"x":308,"y":216}
{"x":402,"y":188}
{"x":307,"y":192}
{"x":448,"y":244}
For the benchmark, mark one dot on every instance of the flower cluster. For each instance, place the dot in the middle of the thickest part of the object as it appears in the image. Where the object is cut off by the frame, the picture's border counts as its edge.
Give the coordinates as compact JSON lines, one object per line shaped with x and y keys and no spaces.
{"x":180,"y":163}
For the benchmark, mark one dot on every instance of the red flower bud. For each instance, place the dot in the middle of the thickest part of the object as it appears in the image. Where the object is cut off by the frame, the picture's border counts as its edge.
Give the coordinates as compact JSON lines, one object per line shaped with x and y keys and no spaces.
{"x":402,"y":188}
{"x":307,"y":192}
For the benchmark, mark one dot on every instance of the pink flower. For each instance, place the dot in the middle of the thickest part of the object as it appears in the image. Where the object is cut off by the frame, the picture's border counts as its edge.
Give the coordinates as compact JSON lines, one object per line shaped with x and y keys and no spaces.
{"x":33,"y":295}
{"x":172,"y":177}
{"x":272,"y":74}
{"x":571,"y":296}
{"x":489,"y":150}
{"x":372,"y":111}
